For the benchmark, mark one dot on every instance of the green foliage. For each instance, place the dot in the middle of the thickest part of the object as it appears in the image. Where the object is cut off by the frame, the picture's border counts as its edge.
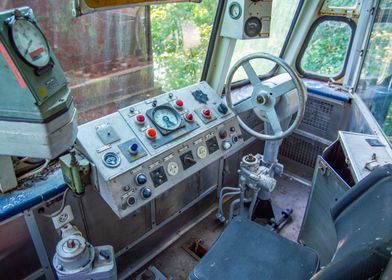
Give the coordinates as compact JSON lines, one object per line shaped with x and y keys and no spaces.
{"x":327,"y":49}
{"x":341,"y":3}
{"x":175,"y":63}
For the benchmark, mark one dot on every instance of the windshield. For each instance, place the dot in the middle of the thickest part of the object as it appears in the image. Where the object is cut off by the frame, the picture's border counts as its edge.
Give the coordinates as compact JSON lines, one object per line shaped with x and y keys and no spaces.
{"x":117,"y":57}
{"x":375,"y":84}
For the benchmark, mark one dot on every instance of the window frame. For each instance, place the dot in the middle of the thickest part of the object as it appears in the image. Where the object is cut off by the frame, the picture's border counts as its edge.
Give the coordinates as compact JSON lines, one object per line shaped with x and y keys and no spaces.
{"x":309,"y":36}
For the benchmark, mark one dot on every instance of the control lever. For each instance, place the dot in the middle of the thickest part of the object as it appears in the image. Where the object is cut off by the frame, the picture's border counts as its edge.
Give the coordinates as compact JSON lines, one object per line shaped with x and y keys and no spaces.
{"x":188,"y":159}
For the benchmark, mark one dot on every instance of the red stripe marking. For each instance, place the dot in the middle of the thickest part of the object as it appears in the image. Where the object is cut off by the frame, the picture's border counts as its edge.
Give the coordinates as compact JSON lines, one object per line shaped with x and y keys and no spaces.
{"x":12,"y":66}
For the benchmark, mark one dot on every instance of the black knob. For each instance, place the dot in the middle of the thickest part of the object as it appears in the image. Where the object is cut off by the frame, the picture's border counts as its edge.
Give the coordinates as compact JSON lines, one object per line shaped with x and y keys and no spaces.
{"x":141,"y":179}
{"x":223,"y":108}
{"x":146,"y":192}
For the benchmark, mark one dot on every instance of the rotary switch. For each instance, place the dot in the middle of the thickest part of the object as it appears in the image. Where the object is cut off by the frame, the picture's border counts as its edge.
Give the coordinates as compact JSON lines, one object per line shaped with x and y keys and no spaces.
{"x":222,"y":108}
{"x":141,"y":179}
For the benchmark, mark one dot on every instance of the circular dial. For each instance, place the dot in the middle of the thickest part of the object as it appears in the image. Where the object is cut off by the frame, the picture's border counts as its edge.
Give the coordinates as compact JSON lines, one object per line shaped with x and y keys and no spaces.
{"x":172,"y":168}
{"x":30,"y":43}
{"x":235,"y":10}
{"x":111,"y":159}
{"x":201,"y":152}
{"x":166,"y":118}
{"x":253,"y":26}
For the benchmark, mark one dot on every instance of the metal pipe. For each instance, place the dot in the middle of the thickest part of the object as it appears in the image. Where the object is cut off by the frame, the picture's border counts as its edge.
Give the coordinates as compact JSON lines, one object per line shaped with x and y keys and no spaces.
{"x":253,"y":203}
{"x":219,"y":213}
{"x":232,"y":204}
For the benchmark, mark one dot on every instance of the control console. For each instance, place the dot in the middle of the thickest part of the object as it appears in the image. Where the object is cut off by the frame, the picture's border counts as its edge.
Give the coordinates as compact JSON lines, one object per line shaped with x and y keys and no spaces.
{"x":145,"y":149}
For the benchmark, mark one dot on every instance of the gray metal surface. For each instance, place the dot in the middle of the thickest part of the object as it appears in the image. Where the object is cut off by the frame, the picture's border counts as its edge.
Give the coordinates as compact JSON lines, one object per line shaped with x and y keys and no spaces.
{"x":117,"y":184}
{"x":359,"y":153}
{"x":317,"y":230}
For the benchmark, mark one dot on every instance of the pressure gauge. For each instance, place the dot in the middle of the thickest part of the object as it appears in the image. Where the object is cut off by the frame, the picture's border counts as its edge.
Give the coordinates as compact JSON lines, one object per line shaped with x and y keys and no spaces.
{"x":28,"y":41}
{"x":253,"y":27}
{"x":235,"y":10}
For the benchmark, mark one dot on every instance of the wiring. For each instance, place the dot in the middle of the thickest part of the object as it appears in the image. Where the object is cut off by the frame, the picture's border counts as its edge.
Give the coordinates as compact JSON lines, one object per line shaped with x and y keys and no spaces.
{"x":35,"y":171}
{"x":55,"y":213}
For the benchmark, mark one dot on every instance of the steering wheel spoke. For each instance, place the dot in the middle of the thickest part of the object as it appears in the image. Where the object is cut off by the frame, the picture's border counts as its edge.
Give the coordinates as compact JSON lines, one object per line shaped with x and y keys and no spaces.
{"x":274,"y":121}
{"x":283,"y":88}
{"x":250,"y":72}
{"x":243,"y":106}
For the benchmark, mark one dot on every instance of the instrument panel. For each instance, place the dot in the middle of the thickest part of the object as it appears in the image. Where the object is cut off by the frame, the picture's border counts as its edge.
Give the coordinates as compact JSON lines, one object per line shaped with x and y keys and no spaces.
{"x":145,"y":149}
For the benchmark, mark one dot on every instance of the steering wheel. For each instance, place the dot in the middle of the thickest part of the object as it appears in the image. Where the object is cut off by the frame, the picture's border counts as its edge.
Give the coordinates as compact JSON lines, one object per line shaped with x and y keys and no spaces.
{"x":264,"y":98}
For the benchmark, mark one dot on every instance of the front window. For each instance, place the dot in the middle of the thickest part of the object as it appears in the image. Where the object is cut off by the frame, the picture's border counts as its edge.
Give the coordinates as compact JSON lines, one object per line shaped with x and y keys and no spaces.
{"x":325,"y":50}
{"x":375,"y":84}
{"x":117,"y":57}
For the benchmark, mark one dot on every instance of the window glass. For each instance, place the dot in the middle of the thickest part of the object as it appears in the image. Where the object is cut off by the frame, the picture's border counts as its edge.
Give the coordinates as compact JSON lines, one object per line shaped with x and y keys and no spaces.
{"x":326,"y":50}
{"x":342,"y":3}
{"x":117,"y":57}
{"x":375,"y":84}
{"x":281,"y":18}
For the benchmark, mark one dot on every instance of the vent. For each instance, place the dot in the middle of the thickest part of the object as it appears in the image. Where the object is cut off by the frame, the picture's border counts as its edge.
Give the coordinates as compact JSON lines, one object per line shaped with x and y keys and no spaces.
{"x":318,"y":114}
{"x":301,"y":149}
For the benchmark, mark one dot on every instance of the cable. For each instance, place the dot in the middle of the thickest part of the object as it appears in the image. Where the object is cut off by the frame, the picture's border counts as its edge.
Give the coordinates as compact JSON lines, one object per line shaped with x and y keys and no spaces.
{"x":35,"y":171}
{"x":61,"y":207}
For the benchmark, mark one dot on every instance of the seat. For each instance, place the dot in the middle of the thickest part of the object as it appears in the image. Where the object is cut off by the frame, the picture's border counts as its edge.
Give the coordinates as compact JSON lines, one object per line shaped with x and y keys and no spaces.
{"x":363,"y":223}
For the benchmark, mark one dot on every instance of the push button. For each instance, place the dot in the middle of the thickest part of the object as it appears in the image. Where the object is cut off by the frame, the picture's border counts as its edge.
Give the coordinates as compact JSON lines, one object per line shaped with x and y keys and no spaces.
{"x":140,"y":118}
{"x":151,"y":133}
{"x":179,"y":104}
{"x":206,"y":113}
{"x":222,"y":108}
{"x":188,"y":117}
{"x":134,"y":149}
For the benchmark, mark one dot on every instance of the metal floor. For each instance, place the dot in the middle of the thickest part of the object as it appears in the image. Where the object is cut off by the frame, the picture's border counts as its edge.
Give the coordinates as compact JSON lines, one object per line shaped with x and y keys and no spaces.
{"x":175,"y":262}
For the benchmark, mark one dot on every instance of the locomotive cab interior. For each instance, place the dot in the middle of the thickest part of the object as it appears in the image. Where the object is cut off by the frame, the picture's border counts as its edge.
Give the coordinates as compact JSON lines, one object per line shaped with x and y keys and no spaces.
{"x":201,"y":139}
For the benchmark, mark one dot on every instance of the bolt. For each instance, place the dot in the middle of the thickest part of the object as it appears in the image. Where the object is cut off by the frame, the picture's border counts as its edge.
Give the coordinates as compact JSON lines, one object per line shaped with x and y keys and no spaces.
{"x":260,"y":99}
{"x":71,"y":243}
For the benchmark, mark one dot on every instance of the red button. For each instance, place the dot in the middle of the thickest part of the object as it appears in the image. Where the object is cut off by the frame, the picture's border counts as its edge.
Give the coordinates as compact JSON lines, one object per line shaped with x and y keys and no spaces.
{"x":151,"y":133}
{"x":206,"y":113}
{"x":189,"y":117}
{"x":179,"y":103}
{"x":140,"y":119}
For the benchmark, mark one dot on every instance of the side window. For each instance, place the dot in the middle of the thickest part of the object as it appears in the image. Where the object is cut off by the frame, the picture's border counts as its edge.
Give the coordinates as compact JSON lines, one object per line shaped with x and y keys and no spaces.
{"x":324,"y":53}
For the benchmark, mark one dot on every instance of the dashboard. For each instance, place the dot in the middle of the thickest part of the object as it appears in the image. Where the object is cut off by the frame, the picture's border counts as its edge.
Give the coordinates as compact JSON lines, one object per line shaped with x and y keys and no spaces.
{"x":145,"y":149}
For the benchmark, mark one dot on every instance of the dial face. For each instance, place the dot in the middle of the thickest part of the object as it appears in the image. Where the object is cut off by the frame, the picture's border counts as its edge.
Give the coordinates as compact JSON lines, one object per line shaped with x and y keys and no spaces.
{"x":235,"y":10}
{"x":30,"y":43}
{"x":172,"y":168}
{"x":253,"y":26}
{"x":166,"y":118}
{"x":201,"y":152}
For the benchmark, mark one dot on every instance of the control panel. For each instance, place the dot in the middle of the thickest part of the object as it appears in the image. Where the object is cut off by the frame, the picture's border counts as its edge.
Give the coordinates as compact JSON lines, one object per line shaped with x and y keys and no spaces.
{"x":145,"y":149}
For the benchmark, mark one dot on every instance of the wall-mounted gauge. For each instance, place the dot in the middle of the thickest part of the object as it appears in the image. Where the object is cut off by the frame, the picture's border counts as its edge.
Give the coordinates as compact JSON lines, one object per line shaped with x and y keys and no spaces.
{"x":28,"y":40}
{"x":252,"y":26}
{"x":235,"y":10}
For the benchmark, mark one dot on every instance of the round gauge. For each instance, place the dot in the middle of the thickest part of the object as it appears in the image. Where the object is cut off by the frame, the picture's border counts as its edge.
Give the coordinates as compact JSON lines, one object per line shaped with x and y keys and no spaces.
{"x":166,"y":118}
{"x":30,"y":43}
{"x":172,"y":168}
{"x":111,"y":160}
{"x":201,"y":152}
{"x":252,"y":27}
{"x":235,"y":10}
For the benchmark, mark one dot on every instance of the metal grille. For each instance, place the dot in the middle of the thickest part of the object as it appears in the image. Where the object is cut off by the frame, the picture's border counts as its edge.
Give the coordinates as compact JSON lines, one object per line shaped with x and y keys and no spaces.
{"x":301,"y":149}
{"x":318,"y":114}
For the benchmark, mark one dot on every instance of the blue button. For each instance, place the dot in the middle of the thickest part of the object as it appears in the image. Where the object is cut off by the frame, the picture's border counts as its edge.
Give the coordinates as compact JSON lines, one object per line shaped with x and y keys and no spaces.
{"x":133,"y":149}
{"x":146,"y":193}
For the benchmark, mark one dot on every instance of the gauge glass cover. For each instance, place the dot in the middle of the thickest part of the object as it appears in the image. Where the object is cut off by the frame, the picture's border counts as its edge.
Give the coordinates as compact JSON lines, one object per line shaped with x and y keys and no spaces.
{"x":166,"y":118}
{"x":235,"y":10}
{"x":30,"y":43}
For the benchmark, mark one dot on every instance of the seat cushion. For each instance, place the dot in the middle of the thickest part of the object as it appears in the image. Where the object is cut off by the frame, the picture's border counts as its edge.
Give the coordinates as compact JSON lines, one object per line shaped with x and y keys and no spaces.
{"x":246,"y":250}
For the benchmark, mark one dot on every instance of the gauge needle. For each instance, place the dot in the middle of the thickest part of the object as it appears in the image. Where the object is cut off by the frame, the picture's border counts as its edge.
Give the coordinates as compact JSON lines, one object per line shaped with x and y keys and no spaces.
{"x":28,"y":47}
{"x":167,"y":121}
